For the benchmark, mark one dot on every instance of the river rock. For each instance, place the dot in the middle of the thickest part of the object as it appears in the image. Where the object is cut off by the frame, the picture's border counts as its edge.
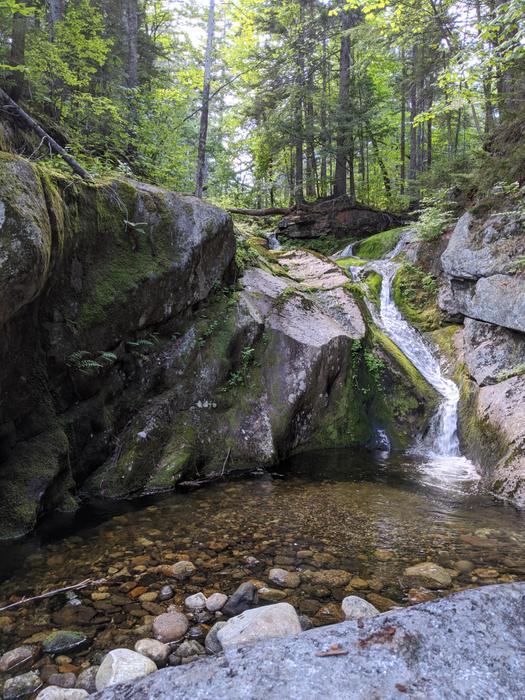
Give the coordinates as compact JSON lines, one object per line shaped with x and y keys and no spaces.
{"x":55,"y":692}
{"x":463,"y":566}
{"x":333,"y":578}
{"x":244,"y":597}
{"x":354,"y":608}
{"x":426,"y":575}
{"x":216,"y":601}
{"x":182,"y":570}
{"x":21,"y":686}
{"x":63,"y":641}
{"x":197,"y":601}
{"x":170,"y":627}
{"x":166,"y":592}
{"x":154,"y":650}
{"x":211,"y":643}
{"x":285,"y":579}
{"x":271,"y":594}
{"x":17,"y":657}
{"x":279,"y":620}
{"x":86,"y":680}
{"x":190,"y":648}
{"x":122,"y":665}
{"x":62,"y":680}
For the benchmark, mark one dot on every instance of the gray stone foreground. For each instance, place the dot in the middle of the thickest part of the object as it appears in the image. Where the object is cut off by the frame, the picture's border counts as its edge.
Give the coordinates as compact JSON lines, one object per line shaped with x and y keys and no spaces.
{"x":469,"y":645}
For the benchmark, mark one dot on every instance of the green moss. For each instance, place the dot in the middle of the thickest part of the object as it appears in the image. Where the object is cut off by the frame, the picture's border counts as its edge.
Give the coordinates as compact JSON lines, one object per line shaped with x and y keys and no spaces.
{"x":415,"y":295}
{"x":350,"y":262}
{"x":325,"y":245}
{"x":378,"y":245}
{"x":373,"y":281}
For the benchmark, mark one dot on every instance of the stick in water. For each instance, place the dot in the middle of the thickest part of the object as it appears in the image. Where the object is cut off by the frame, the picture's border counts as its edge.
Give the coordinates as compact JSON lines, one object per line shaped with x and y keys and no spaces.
{"x":49,"y":594}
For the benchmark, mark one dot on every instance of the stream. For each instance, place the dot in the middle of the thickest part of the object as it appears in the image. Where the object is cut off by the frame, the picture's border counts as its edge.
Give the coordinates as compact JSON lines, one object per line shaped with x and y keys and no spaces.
{"x":371,"y":514}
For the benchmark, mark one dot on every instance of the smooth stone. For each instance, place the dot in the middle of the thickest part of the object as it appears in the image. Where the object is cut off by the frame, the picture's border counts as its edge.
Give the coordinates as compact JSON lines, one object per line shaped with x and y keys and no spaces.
{"x":463,"y":566}
{"x":121,"y":666}
{"x":381,"y":603}
{"x":55,"y":692}
{"x":62,"y":680}
{"x":244,"y":597}
{"x":154,"y":650}
{"x":279,"y":620}
{"x":216,"y":601}
{"x":383,"y":554}
{"x":16,"y":657}
{"x":333,"y":578}
{"x":357,"y":582}
{"x":63,"y":641}
{"x":211,"y":643}
{"x":286,"y":579}
{"x":182,"y":570}
{"x":190,"y":648}
{"x":21,"y":686}
{"x":355,"y":608}
{"x":426,"y":575}
{"x":166,"y":592}
{"x":170,"y":627}
{"x":420,"y":595}
{"x":197,"y":601}
{"x":271,"y":594}
{"x":86,"y":680}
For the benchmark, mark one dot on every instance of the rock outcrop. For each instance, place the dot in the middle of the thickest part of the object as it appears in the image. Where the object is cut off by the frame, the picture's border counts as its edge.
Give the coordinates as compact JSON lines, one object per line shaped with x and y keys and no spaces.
{"x":132,"y":356}
{"x":485,"y":286}
{"x":467,"y":645}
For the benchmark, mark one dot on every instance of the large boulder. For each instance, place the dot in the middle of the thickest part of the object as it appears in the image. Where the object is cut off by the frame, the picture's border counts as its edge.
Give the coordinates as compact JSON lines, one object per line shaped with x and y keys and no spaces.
{"x":482,"y":264}
{"x":492,"y":352}
{"x":463,"y":646}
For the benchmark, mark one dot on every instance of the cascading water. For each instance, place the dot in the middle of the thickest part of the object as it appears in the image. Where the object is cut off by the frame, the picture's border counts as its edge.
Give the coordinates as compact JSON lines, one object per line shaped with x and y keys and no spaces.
{"x":443,"y":464}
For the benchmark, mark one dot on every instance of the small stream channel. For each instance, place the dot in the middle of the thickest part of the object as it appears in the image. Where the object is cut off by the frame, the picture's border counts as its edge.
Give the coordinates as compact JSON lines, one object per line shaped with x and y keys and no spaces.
{"x":368,"y":513}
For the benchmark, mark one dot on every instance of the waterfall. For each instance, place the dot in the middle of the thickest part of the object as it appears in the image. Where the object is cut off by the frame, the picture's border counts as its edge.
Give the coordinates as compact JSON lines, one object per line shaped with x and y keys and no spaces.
{"x":443,"y":464}
{"x":273,"y":242}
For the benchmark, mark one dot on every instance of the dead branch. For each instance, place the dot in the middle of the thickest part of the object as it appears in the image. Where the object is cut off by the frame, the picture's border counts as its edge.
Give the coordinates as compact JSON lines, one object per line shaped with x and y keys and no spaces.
{"x":271,"y":211}
{"x":49,"y":594}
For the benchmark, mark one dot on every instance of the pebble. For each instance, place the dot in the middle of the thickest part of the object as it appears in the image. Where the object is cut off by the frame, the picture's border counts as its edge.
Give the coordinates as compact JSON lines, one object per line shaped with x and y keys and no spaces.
{"x":286,"y":579}
{"x":211,"y":643}
{"x":216,"y":601}
{"x":485,"y":572}
{"x":86,"y":680}
{"x":17,"y":657}
{"x":427,"y":574}
{"x":54,"y":692}
{"x":381,"y":603}
{"x":190,"y":648}
{"x":463,"y":566}
{"x":244,"y":597}
{"x":154,"y":650}
{"x":182,"y":570}
{"x":121,"y":666}
{"x":170,"y":626}
{"x":333,"y":578}
{"x":21,"y":686}
{"x":148,"y":597}
{"x":383,"y":554}
{"x":197,"y":601}
{"x":271,"y":594}
{"x":62,"y":680}
{"x":420,"y":595}
{"x":166,"y":592}
{"x":62,"y":641}
{"x":355,"y":608}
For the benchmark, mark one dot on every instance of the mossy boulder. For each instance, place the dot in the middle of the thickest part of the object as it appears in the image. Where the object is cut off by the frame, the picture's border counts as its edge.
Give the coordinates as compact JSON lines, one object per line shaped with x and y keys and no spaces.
{"x":378,"y":245}
{"x":415,"y":295}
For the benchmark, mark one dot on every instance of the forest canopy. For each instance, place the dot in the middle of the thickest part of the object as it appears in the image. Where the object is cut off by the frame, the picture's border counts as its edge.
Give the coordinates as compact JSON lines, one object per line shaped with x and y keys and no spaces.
{"x":385,"y":101}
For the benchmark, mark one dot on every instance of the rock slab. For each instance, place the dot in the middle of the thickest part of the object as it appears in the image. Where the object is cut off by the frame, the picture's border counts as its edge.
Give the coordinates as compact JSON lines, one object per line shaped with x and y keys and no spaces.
{"x":467,"y":645}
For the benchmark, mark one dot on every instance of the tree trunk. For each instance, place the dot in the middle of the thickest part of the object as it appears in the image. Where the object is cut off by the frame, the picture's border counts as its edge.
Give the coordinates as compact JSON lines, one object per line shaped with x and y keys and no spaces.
{"x":57,"y":10}
{"x":132,"y":31}
{"x":341,"y":152}
{"x":17,"y":55}
{"x":403,"y":126}
{"x":203,"y":132}
{"x":413,"y":160}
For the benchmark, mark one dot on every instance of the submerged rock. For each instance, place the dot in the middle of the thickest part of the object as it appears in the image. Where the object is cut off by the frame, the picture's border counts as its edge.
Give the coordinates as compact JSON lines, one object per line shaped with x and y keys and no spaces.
{"x":279,"y":620}
{"x":244,"y":597}
{"x":426,"y":575}
{"x":170,"y":626}
{"x":121,"y":666}
{"x":21,"y":686}
{"x":17,"y":657}
{"x":286,"y":579}
{"x":211,"y":643}
{"x":63,"y":641}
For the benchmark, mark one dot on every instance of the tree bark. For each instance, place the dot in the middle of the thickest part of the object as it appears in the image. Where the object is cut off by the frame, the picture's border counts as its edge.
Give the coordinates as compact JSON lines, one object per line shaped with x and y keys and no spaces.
{"x":270,"y":211}
{"x":17,"y":54}
{"x":402,"y":130}
{"x":413,"y":159}
{"x":132,"y":31}
{"x":341,"y":152}
{"x":203,"y":131}
{"x":32,"y":124}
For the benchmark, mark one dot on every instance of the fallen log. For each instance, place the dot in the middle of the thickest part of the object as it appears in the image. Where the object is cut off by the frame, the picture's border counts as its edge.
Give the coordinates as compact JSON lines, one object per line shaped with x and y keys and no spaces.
{"x":270,"y":211}
{"x":46,"y":138}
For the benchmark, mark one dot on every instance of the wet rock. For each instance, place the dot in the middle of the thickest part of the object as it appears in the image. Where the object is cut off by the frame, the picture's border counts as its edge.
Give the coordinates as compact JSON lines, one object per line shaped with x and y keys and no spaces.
{"x":354,"y":608}
{"x":306,"y":623}
{"x":182,"y":570}
{"x":190,"y":648}
{"x":420,"y":595}
{"x":271,"y":594}
{"x":55,"y":692}
{"x":279,"y":620}
{"x":211,"y":643}
{"x":463,"y":566}
{"x":62,"y":680}
{"x":216,"y":601}
{"x":170,"y":627}
{"x":63,"y":641}
{"x":491,"y":350}
{"x":383,"y":554}
{"x":21,"y":686}
{"x":333,"y":578}
{"x":122,"y":665}
{"x":16,"y":658}
{"x":86,"y":680}
{"x":154,"y":650}
{"x":286,"y":579}
{"x":166,"y":592}
{"x":485,"y":572}
{"x":381,"y":603}
{"x":244,"y":597}
{"x":195,"y":602}
{"x":427,"y":575}
{"x":358,"y":583}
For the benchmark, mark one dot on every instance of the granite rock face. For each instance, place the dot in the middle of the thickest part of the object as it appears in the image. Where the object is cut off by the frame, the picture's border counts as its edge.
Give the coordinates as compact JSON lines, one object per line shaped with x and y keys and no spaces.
{"x":463,"y":646}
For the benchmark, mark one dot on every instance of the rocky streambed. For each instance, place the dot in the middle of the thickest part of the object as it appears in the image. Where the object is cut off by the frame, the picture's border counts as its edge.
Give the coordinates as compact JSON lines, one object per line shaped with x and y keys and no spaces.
{"x":298,"y":538}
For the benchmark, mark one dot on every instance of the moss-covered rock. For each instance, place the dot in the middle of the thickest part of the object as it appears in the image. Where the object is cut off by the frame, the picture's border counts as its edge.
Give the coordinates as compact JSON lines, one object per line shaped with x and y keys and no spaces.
{"x":415,"y":295}
{"x":378,"y":245}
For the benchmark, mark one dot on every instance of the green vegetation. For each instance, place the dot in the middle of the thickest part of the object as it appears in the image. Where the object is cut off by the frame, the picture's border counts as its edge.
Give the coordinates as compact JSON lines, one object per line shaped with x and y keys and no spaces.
{"x":379,"y":245}
{"x":373,"y":281}
{"x":349,"y":262}
{"x":415,"y":294}
{"x":517,"y":371}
